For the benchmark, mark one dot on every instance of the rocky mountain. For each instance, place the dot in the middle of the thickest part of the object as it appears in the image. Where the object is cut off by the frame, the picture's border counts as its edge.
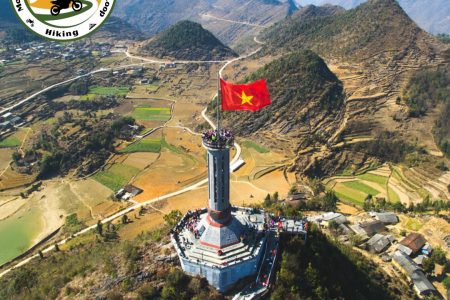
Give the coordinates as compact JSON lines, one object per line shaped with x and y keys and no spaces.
{"x":433,"y":16}
{"x":307,"y":103}
{"x":373,"y":50}
{"x":117,"y":29}
{"x":186,"y":40}
{"x":371,"y":28}
{"x":156,"y":16}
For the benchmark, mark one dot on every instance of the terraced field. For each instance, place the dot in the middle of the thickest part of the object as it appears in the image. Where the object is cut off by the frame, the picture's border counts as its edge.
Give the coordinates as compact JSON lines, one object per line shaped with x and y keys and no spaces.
{"x":11,"y":179}
{"x":394,"y":183}
{"x":355,"y":189}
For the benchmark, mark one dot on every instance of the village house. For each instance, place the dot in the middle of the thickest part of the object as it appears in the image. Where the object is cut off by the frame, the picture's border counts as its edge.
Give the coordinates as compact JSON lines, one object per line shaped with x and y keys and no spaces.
{"x":414,"y":241}
{"x":422,"y":286}
{"x":379,"y":242}
{"x":386,"y":217}
{"x":327,"y":218}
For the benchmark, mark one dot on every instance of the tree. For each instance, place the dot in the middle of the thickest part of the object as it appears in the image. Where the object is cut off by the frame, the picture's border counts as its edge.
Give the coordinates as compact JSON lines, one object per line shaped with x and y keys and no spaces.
{"x":56,"y":247}
{"x":428,"y":265}
{"x":41,"y":255}
{"x":367,"y":206}
{"x":16,"y":157}
{"x":275,"y":197}
{"x":330,"y":201}
{"x":99,"y":228}
{"x":438,"y":256}
{"x":446,"y":282}
{"x":293,"y":190}
{"x":173,"y":217}
{"x":267,"y":201}
{"x":124,"y":219}
{"x":23,"y":279}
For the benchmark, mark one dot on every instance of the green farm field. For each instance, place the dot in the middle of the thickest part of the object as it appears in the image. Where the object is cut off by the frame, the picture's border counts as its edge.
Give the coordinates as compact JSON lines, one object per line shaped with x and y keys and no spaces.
{"x":9,"y":142}
{"x":116,"y":176}
{"x":116,"y":91}
{"x":144,"y":145}
{"x":255,"y":146}
{"x":151,"y":113}
{"x":355,"y":189}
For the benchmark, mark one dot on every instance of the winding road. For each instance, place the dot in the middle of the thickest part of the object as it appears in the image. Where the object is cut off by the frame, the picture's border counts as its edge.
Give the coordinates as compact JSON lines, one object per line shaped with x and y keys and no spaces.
{"x":148,"y":202}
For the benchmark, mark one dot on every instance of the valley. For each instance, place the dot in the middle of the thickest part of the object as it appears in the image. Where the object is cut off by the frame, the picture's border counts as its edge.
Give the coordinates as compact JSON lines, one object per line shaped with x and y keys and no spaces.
{"x":113,"y":138}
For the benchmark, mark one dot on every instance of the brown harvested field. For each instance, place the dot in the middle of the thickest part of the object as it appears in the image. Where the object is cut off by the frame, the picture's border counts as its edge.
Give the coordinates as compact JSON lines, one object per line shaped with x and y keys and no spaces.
{"x":5,"y":158}
{"x":189,"y":114}
{"x":149,"y":221}
{"x":197,"y":198}
{"x":274,"y":182}
{"x":96,"y":197}
{"x":434,"y":230}
{"x":11,"y":179}
{"x":184,"y":139}
{"x":140,"y":160}
{"x":347,"y":209}
{"x":243,"y":193}
{"x":167,"y":174}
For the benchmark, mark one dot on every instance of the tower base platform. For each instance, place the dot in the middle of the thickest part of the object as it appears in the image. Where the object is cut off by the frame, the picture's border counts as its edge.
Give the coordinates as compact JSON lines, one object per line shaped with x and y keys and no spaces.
{"x":221,"y":254}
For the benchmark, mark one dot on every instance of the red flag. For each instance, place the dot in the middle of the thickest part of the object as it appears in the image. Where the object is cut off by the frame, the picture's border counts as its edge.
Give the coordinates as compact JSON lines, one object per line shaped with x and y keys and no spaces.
{"x":253,"y":96}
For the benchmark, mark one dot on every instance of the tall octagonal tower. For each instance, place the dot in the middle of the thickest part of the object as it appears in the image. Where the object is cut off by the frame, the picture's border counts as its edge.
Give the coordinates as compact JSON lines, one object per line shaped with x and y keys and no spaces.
{"x":221,"y":243}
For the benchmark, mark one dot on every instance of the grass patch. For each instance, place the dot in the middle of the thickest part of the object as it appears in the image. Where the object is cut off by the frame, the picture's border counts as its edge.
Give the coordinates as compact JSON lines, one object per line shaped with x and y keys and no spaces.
{"x":103,"y":90}
{"x":116,"y":176}
{"x":151,"y":113}
{"x":413,"y":224}
{"x":144,"y":145}
{"x":172,"y":148}
{"x":9,"y":142}
{"x":393,"y":197}
{"x":151,"y":87}
{"x":356,"y":185}
{"x":255,"y":146}
{"x":374,"y":178}
{"x":88,"y":97}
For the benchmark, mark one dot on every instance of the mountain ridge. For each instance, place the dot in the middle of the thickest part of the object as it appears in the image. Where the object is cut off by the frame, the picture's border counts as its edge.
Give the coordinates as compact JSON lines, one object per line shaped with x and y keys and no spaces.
{"x":186,"y":40}
{"x":432,"y":16}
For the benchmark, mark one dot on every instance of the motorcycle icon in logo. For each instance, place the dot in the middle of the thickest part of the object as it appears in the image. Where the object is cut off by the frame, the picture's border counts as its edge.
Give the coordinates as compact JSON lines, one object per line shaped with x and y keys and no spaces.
{"x":58,"y":5}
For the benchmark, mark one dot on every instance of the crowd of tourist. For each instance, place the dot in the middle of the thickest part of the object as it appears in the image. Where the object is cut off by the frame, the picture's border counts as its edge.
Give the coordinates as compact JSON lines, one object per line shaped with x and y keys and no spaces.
{"x":221,"y":137}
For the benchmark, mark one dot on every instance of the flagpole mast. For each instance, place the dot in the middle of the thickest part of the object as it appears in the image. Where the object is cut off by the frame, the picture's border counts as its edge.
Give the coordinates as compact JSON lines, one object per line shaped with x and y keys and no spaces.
{"x":218,"y":101}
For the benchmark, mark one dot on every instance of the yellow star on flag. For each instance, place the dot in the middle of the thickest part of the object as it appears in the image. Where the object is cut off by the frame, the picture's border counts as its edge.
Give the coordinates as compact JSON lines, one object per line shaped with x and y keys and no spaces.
{"x":246,"y":99}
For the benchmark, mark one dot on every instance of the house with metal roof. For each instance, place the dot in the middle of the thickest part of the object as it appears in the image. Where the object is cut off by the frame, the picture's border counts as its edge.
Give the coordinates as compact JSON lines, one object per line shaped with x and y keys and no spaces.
{"x":422,"y":286}
{"x":386,"y":217}
{"x":373,"y":227}
{"x":379,"y":242}
{"x":414,"y":241}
